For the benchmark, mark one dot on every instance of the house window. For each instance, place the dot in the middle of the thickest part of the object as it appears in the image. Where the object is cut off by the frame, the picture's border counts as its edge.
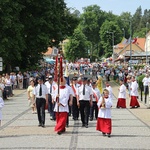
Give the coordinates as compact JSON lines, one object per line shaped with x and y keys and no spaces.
{"x":55,"y":51}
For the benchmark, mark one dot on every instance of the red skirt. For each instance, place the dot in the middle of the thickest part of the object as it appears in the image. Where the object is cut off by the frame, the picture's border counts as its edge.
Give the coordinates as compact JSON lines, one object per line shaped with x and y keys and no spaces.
{"x":61,"y":119}
{"x":134,"y":102}
{"x":104,"y":125}
{"x":121,"y":103}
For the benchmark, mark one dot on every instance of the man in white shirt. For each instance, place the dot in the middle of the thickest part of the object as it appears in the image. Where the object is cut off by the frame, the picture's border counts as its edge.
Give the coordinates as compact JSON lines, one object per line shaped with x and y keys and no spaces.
{"x":51,"y":87}
{"x":84,"y":101}
{"x":146,"y":82}
{"x":40,"y":92}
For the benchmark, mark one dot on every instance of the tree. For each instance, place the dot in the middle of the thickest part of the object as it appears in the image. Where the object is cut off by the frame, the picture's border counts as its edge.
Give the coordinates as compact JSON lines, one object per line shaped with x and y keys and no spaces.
{"x":136,"y":20}
{"x":77,"y":46}
{"x":44,"y":21}
{"x":91,"y":21}
{"x":29,"y":27}
{"x":106,"y":34}
{"x":11,"y":40}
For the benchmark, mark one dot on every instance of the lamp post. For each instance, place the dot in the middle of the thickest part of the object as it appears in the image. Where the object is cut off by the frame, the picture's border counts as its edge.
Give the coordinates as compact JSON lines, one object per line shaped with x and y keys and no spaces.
{"x":146,"y":42}
{"x":123,"y":32}
{"x":130,"y":42}
{"x":112,"y":44}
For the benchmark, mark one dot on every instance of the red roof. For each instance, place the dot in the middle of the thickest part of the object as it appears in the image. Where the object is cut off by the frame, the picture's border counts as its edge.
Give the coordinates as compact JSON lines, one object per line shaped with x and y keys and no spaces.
{"x":49,"y":51}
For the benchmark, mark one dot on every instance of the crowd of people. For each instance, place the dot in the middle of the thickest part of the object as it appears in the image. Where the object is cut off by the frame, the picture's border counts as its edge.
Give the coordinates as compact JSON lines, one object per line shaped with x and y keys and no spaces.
{"x":76,"y":96}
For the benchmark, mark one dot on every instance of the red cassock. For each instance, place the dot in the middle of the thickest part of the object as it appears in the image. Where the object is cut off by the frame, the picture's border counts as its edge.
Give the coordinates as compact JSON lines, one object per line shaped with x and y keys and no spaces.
{"x":61,"y":118}
{"x":104,"y":125}
{"x":121,"y":103}
{"x":134,"y":102}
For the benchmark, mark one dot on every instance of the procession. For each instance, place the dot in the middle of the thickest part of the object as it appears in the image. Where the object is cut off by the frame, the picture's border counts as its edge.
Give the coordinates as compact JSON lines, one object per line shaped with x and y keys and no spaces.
{"x":81,"y":95}
{"x":74,"y":75}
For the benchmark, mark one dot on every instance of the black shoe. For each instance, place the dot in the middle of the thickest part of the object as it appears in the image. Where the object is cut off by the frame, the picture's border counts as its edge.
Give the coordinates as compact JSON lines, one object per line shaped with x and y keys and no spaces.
{"x":86,"y":126}
{"x":67,"y":125}
{"x":83,"y":125}
{"x":104,"y":134}
{"x":108,"y":135}
{"x":43,"y":125}
{"x":91,"y":119}
{"x":63,"y":130}
{"x":59,"y":133}
{"x":39,"y":125}
{"x":132,"y":107}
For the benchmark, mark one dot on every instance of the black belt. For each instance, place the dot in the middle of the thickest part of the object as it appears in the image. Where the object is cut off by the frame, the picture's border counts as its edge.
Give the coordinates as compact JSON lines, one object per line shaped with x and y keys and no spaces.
{"x":40,"y":98}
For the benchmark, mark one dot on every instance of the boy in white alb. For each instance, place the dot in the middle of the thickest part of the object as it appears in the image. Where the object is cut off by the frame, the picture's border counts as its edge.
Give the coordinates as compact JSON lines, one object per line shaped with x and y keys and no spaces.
{"x":104,"y":123}
{"x":122,"y":96}
{"x":61,"y":106}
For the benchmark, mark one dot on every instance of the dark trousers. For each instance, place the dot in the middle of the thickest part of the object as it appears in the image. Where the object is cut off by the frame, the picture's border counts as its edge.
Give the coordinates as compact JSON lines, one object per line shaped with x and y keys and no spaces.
{"x":5,"y":94}
{"x":85,"y":111}
{"x":69,"y":114}
{"x":146,"y":92}
{"x":75,"y":109}
{"x":51,"y":107}
{"x":92,"y":109}
{"x":40,"y":105}
{"x":25,"y":84}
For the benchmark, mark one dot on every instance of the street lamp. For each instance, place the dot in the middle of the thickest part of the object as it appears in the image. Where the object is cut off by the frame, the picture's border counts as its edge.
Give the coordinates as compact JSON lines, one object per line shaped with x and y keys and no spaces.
{"x":112,"y":43}
{"x":130,"y":42}
{"x":146,"y":42}
{"x":123,"y":32}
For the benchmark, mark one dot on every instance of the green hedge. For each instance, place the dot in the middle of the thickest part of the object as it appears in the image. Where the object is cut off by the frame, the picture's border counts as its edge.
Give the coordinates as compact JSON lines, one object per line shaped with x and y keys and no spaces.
{"x":138,"y":66}
{"x":139,"y":79}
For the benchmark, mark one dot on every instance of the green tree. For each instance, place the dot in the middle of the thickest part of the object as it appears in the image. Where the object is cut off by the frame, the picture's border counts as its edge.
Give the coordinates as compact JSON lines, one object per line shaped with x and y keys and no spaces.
{"x":77,"y":46}
{"x":29,"y":27}
{"x":108,"y":29}
{"x":11,"y":39}
{"x":91,"y":21}
{"x":136,"y":20}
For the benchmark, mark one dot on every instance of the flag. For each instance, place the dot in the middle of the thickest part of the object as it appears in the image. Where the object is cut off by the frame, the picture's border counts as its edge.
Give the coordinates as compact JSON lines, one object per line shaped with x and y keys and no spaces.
{"x":134,"y":40}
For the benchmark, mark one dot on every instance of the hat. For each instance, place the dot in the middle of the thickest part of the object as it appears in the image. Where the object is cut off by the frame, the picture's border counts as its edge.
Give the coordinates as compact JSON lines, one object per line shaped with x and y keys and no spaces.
{"x":84,"y":79}
{"x":50,"y":77}
{"x":93,"y":83}
{"x":40,"y":78}
{"x":74,"y":78}
{"x":88,"y":80}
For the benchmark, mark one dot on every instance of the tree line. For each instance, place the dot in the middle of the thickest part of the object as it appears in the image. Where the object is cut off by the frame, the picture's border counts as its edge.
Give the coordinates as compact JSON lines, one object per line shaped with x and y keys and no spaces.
{"x":94,"y":35}
{"x":29,"y":27}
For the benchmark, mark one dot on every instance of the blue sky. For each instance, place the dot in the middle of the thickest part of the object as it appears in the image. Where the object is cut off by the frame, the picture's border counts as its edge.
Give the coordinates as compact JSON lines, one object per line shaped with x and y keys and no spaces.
{"x":116,"y":6}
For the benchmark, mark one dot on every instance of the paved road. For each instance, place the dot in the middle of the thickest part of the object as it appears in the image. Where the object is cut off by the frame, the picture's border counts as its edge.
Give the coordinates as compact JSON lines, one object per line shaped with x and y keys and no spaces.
{"x":131,"y":129}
